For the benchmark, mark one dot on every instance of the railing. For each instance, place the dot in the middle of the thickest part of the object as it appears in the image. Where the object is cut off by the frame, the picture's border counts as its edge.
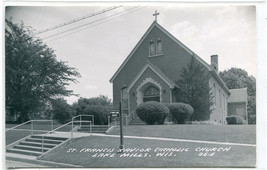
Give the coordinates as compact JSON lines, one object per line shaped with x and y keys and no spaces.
{"x":109,"y":121}
{"x":31,"y":121}
{"x":128,"y":118}
{"x":93,"y":121}
{"x":71,"y":131}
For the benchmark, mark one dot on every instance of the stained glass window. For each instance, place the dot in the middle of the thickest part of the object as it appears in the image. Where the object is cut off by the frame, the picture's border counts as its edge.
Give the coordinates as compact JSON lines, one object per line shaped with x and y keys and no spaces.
{"x":151,"y":91}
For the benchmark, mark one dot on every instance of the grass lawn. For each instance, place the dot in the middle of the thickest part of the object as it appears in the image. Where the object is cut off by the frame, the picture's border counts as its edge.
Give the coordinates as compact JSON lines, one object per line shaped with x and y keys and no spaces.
{"x":237,"y":156}
{"x":232,"y":156}
{"x":229,"y":133}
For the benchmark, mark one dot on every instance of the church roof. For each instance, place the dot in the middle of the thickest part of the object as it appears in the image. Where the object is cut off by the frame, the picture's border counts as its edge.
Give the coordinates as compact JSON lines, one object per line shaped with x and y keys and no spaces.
{"x":158,"y":71}
{"x":155,"y":24}
{"x":238,"y":95}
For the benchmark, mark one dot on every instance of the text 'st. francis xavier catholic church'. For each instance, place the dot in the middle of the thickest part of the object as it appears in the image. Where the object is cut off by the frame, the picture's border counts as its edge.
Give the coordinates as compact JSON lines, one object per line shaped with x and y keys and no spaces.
{"x":151,"y":70}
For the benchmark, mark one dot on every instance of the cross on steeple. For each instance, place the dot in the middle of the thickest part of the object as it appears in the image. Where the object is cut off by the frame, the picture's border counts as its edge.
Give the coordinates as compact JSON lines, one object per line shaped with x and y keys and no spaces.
{"x":156,"y":14}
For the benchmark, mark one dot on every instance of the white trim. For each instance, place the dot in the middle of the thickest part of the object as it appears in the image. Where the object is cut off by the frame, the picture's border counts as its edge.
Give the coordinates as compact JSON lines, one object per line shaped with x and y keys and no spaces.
{"x":155,"y":24}
{"x":142,"y":71}
{"x":156,"y":55}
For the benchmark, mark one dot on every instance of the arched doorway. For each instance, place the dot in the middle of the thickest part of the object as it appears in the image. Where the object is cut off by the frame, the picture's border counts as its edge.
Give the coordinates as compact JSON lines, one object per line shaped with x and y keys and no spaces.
{"x":151,"y":93}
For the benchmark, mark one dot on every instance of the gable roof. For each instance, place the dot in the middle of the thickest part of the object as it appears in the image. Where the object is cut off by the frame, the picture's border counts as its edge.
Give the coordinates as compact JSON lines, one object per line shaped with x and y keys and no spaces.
{"x":156,"y":70}
{"x":155,"y":24}
{"x":238,"y":95}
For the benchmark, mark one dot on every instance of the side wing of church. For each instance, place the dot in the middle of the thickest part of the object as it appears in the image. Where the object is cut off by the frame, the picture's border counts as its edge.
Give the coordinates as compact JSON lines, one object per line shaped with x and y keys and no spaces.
{"x":151,"y":70}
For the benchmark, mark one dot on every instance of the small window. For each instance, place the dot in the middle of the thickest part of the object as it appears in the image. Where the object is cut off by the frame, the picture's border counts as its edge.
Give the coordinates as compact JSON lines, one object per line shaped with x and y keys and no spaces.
{"x":214,"y":94}
{"x":159,"y":47}
{"x":220,"y":98}
{"x":152,"y":48}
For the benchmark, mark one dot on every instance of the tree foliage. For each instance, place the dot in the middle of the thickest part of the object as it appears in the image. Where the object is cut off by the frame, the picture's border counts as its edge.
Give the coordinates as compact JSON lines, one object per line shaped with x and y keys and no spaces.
{"x":238,"y":78}
{"x":193,"y":89}
{"x":61,"y":110}
{"x":33,"y":74}
{"x":83,"y":103}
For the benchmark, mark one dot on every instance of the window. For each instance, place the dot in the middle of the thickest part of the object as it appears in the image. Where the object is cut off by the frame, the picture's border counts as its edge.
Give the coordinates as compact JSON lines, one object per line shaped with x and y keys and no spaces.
{"x":159,"y":47}
{"x":223,"y":102}
{"x":152,"y":48}
{"x":155,"y":48}
{"x":214,"y":87}
{"x":151,"y":94}
{"x":220,"y":98}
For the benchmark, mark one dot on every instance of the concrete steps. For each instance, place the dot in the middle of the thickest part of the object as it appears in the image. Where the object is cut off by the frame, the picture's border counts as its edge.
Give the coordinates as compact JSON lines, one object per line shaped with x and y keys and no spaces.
{"x":33,"y":145}
{"x":137,"y":121}
{"x":95,"y":129}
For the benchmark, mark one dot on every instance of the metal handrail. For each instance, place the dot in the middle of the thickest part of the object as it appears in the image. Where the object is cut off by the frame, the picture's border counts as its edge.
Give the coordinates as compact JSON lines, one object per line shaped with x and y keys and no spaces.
{"x":53,"y":131}
{"x":93,"y":117}
{"x":31,"y":121}
{"x":127,"y":116}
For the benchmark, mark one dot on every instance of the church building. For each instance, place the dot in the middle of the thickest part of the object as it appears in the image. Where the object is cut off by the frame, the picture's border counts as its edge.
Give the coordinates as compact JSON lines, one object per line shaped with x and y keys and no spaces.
{"x":151,"y":70}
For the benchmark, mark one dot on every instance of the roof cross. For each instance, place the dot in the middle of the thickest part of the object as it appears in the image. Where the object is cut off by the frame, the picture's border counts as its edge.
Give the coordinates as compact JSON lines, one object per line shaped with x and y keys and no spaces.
{"x":156,"y":14}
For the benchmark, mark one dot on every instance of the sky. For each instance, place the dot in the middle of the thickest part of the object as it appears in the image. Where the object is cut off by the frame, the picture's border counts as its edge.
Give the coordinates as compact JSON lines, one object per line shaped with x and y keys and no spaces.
{"x":99,"y":48}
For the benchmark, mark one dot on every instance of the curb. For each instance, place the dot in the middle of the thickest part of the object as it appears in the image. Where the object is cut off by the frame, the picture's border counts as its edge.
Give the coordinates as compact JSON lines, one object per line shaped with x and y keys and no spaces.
{"x":40,"y":162}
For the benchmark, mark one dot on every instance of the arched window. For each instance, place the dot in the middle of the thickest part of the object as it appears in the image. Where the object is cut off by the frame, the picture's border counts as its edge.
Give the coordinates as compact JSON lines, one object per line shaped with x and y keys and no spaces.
{"x":152,"y":48}
{"x":159,"y":47}
{"x":151,"y":94}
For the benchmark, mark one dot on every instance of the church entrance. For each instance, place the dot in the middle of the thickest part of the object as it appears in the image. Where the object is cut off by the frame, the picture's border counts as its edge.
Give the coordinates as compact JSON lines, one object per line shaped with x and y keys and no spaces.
{"x":151,"y":94}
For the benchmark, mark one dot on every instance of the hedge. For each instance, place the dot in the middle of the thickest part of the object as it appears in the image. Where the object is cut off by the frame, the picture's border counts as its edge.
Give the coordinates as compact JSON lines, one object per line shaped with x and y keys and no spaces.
{"x":152,"y":112}
{"x":232,"y":120}
{"x":180,"y":112}
{"x":100,"y":113}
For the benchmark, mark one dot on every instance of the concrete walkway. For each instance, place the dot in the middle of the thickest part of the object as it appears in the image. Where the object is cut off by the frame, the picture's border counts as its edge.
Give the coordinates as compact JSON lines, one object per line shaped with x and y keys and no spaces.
{"x":67,"y":134}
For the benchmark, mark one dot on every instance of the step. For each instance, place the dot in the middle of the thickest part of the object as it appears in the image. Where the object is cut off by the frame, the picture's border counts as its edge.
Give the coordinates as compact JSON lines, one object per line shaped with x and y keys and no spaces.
{"x":49,"y":137}
{"x":45,"y":141}
{"x":95,"y":127}
{"x":24,"y":152}
{"x":37,"y":144}
{"x":30,"y":148}
{"x":81,"y":130}
{"x":93,"y":131}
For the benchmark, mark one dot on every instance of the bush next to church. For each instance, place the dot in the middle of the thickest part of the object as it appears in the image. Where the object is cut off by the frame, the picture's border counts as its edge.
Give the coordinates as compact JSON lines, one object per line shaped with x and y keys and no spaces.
{"x":152,"y":112}
{"x":180,"y":112}
{"x":233,"y":120}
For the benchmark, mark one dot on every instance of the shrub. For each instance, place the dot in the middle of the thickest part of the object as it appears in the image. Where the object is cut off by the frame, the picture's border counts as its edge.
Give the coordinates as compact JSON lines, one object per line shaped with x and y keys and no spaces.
{"x":180,"y":112}
{"x":232,"y":120}
{"x":100,"y":114}
{"x":152,"y":112}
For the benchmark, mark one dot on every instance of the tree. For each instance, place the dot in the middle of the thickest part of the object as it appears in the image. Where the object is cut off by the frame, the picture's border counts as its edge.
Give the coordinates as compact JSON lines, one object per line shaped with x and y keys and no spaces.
{"x":82,"y":103}
{"x":238,"y":78}
{"x":33,"y":74}
{"x":61,"y":110}
{"x":194,"y":90}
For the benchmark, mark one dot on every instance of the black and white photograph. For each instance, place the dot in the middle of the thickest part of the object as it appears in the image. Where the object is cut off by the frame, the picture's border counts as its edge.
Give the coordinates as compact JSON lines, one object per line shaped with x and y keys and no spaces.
{"x":130,"y":85}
